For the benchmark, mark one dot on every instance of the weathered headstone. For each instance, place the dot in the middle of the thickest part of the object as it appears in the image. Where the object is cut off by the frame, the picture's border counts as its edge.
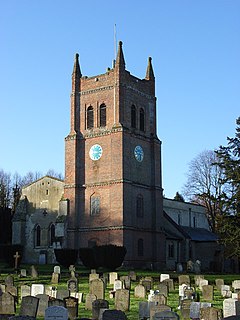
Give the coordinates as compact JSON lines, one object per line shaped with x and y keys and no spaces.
{"x":231,"y":307}
{"x":97,"y":305}
{"x":170,"y":284}
{"x":97,"y":287}
{"x":89,"y":300}
{"x":147,"y":284}
{"x":23,"y":273}
{"x":55,"y":278}
{"x":71,"y":304}
{"x":25,"y":291}
{"x":42,"y":305}
{"x":185,"y":308}
{"x":57,"y":269}
{"x":236,"y":285}
{"x":62,"y":293}
{"x":122,"y":300}
{"x":13,"y":291}
{"x":117,"y":285}
{"x":143,"y":310}
{"x":140,"y":291}
{"x":163,"y":289}
{"x":164,"y":276}
{"x":184,"y":278}
{"x":190,"y":266}
{"x":219,"y":283}
{"x":194,"y":310}
{"x":197,"y":279}
{"x":226,"y":291}
{"x":72,"y":284}
{"x":114,"y":315}
{"x":56,"y":313}
{"x":37,"y":289}
{"x":9,"y":281}
{"x":155,"y":309}
{"x":207,"y":293}
{"x":29,"y":306}
{"x":93,"y":276}
{"x":203,"y":282}
{"x":210,"y":313}
{"x":56,"y":302}
{"x":7,"y":304}
{"x":132,"y":275}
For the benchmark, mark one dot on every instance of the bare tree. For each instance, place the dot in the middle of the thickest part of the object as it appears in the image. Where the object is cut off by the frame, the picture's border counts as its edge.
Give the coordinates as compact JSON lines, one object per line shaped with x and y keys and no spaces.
{"x":5,"y":189}
{"x":204,"y":185}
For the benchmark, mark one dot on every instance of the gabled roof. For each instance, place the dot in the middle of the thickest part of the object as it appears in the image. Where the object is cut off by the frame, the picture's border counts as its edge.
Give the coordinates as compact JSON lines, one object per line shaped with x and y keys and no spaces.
{"x":200,"y":234}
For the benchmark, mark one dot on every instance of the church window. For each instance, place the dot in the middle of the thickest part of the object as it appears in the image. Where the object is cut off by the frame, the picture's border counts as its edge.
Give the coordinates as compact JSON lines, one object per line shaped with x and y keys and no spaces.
{"x":133,"y":116}
{"x":37,"y":236}
{"x":51,"y":234}
{"x":103,"y":115}
{"x":90,"y":117}
{"x":142,"y":119}
{"x":139,"y":206}
{"x":179,"y":219}
{"x":95,"y":205}
{"x":171,"y":250}
{"x":140,"y":248}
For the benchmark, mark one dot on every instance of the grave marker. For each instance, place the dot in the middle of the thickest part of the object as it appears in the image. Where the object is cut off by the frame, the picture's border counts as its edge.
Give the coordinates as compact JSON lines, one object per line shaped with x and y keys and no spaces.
{"x":29,"y":306}
{"x":122,"y":300}
{"x":56,"y":313}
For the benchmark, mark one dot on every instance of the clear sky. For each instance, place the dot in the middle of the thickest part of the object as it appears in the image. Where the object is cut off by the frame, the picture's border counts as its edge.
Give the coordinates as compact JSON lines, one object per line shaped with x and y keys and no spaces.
{"x":195,"y":47}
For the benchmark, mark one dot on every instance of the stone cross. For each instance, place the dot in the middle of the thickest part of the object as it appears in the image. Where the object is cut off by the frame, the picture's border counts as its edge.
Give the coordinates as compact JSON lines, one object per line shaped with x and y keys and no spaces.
{"x":16,"y":256}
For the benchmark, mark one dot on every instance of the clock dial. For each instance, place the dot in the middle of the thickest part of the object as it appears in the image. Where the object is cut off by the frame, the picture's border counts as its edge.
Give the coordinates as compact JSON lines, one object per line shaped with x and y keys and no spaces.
{"x":138,"y":153}
{"x":95,"y":152}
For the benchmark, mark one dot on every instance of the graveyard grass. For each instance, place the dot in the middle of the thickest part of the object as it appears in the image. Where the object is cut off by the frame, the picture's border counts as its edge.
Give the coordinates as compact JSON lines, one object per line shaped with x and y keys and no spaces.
{"x":45,"y":272}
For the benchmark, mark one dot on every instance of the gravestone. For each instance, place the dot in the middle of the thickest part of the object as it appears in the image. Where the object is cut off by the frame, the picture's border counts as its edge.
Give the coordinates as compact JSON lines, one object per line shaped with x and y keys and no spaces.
{"x":7,"y":304}
{"x":158,"y":299}
{"x":114,"y":315}
{"x":198,"y":278}
{"x":89,"y":300}
{"x":72,"y":270}
{"x":37,"y":289}
{"x":126,"y":280}
{"x":97,"y":287}
{"x":62,"y":293}
{"x":190,"y":266}
{"x":25,"y":291}
{"x":97,"y":305}
{"x":57,"y":269}
{"x":78,"y":295}
{"x":184,"y":279}
{"x":219,"y":283}
{"x":55,"y":278}
{"x":231,"y":307}
{"x":207,"y":293}
{"x":122,"y":300}
{"x":34,"y":273}
{"x":155,"y":309}
{"x":181,"y":289}
{"x":117,"y":285}
{"x":185,"y":308}
{"x":226,"y":291}
{"x":23,"y":273}
{"x":9,"y":281}
{"x":112,"y":277}
{"x":93,"y":276}
{"x":19,"y":318}
{"x":13,"y":291}
{"x":29,"y":306}
{"x":71,"y":304}
{"x":56,"y":313}
{"x":166,"y":315}
{"x":236,"y":295}
{"x":163,"y":289}
{"x":56,"y":302}
{"x":164,"y":276}
{"x":169,"y":283}
{"x":140,"y":291}
{"x":42,"y":305}
{"x":147,"y":284}
{"x":51,"y":291}
{"x":132,"y":275}
{"x":236,"y":285}
{"x":194,"y":310}
{"x":143,"y":308}
{"x":210,"y":313}
{"x":72,"y":284}
{"x":202,"y":282}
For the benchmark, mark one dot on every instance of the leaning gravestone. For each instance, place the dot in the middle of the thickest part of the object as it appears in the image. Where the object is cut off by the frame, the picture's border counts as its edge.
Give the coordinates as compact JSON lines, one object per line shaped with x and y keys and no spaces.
{"x":7,"y":304}
{"x":42,"y":305}
{"x":56,"y":313}
{"x":34,"y":273}
{"x":122,"y":300}
{"x":166,"y":315}
{"x":114,"y":315}
{"x":71,"y":304}
{"x":29,"y":306}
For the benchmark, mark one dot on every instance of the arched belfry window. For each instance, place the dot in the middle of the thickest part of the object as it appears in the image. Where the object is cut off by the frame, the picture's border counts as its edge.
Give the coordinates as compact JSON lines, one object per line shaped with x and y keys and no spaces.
{"x":51,"y":234}
{"x":90,"y":117}
{"x":142,"y":119}
{"x":103,"y":115}
{"x":94,"y":205}
{"x":37,"y":236}
{"x":140,"y":248}
{"x":133,"y":117}
{"x":139,"y":206}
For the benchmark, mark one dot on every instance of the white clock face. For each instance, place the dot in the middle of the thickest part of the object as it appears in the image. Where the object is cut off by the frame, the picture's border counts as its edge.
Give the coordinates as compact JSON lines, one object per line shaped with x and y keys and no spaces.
{"x":95,"y":152}
{"x":138,"y":153}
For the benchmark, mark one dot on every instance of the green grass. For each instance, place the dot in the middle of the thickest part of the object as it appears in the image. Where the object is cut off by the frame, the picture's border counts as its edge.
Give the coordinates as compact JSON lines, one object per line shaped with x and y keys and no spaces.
{"x":45,"y":271}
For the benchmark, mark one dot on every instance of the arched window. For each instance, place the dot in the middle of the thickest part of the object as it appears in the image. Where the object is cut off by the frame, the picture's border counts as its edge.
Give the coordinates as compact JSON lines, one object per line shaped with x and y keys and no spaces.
{"x":103,"y":115}
{"x":51,"y":234}
{"x":37,"y":235}
{"x":94,"y":205}
{"x":142,"y":119}
{"x":171,"y":250}
{"x":90,"y":117}
{"x":133,"y":117}
{"x":139,"y":206}
{"x":140,"y":247}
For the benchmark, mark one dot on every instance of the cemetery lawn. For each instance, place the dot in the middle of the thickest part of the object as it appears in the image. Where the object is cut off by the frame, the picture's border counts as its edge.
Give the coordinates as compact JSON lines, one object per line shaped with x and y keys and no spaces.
{"x":45,"y":273}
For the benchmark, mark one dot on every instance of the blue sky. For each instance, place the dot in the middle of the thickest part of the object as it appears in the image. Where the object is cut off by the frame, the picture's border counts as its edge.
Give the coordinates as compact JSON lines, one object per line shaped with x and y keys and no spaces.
{"x":195,"y":47}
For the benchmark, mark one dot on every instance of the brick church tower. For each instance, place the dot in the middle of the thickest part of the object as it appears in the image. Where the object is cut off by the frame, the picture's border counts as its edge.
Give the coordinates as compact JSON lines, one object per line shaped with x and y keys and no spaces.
{"x":113,"y":164}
